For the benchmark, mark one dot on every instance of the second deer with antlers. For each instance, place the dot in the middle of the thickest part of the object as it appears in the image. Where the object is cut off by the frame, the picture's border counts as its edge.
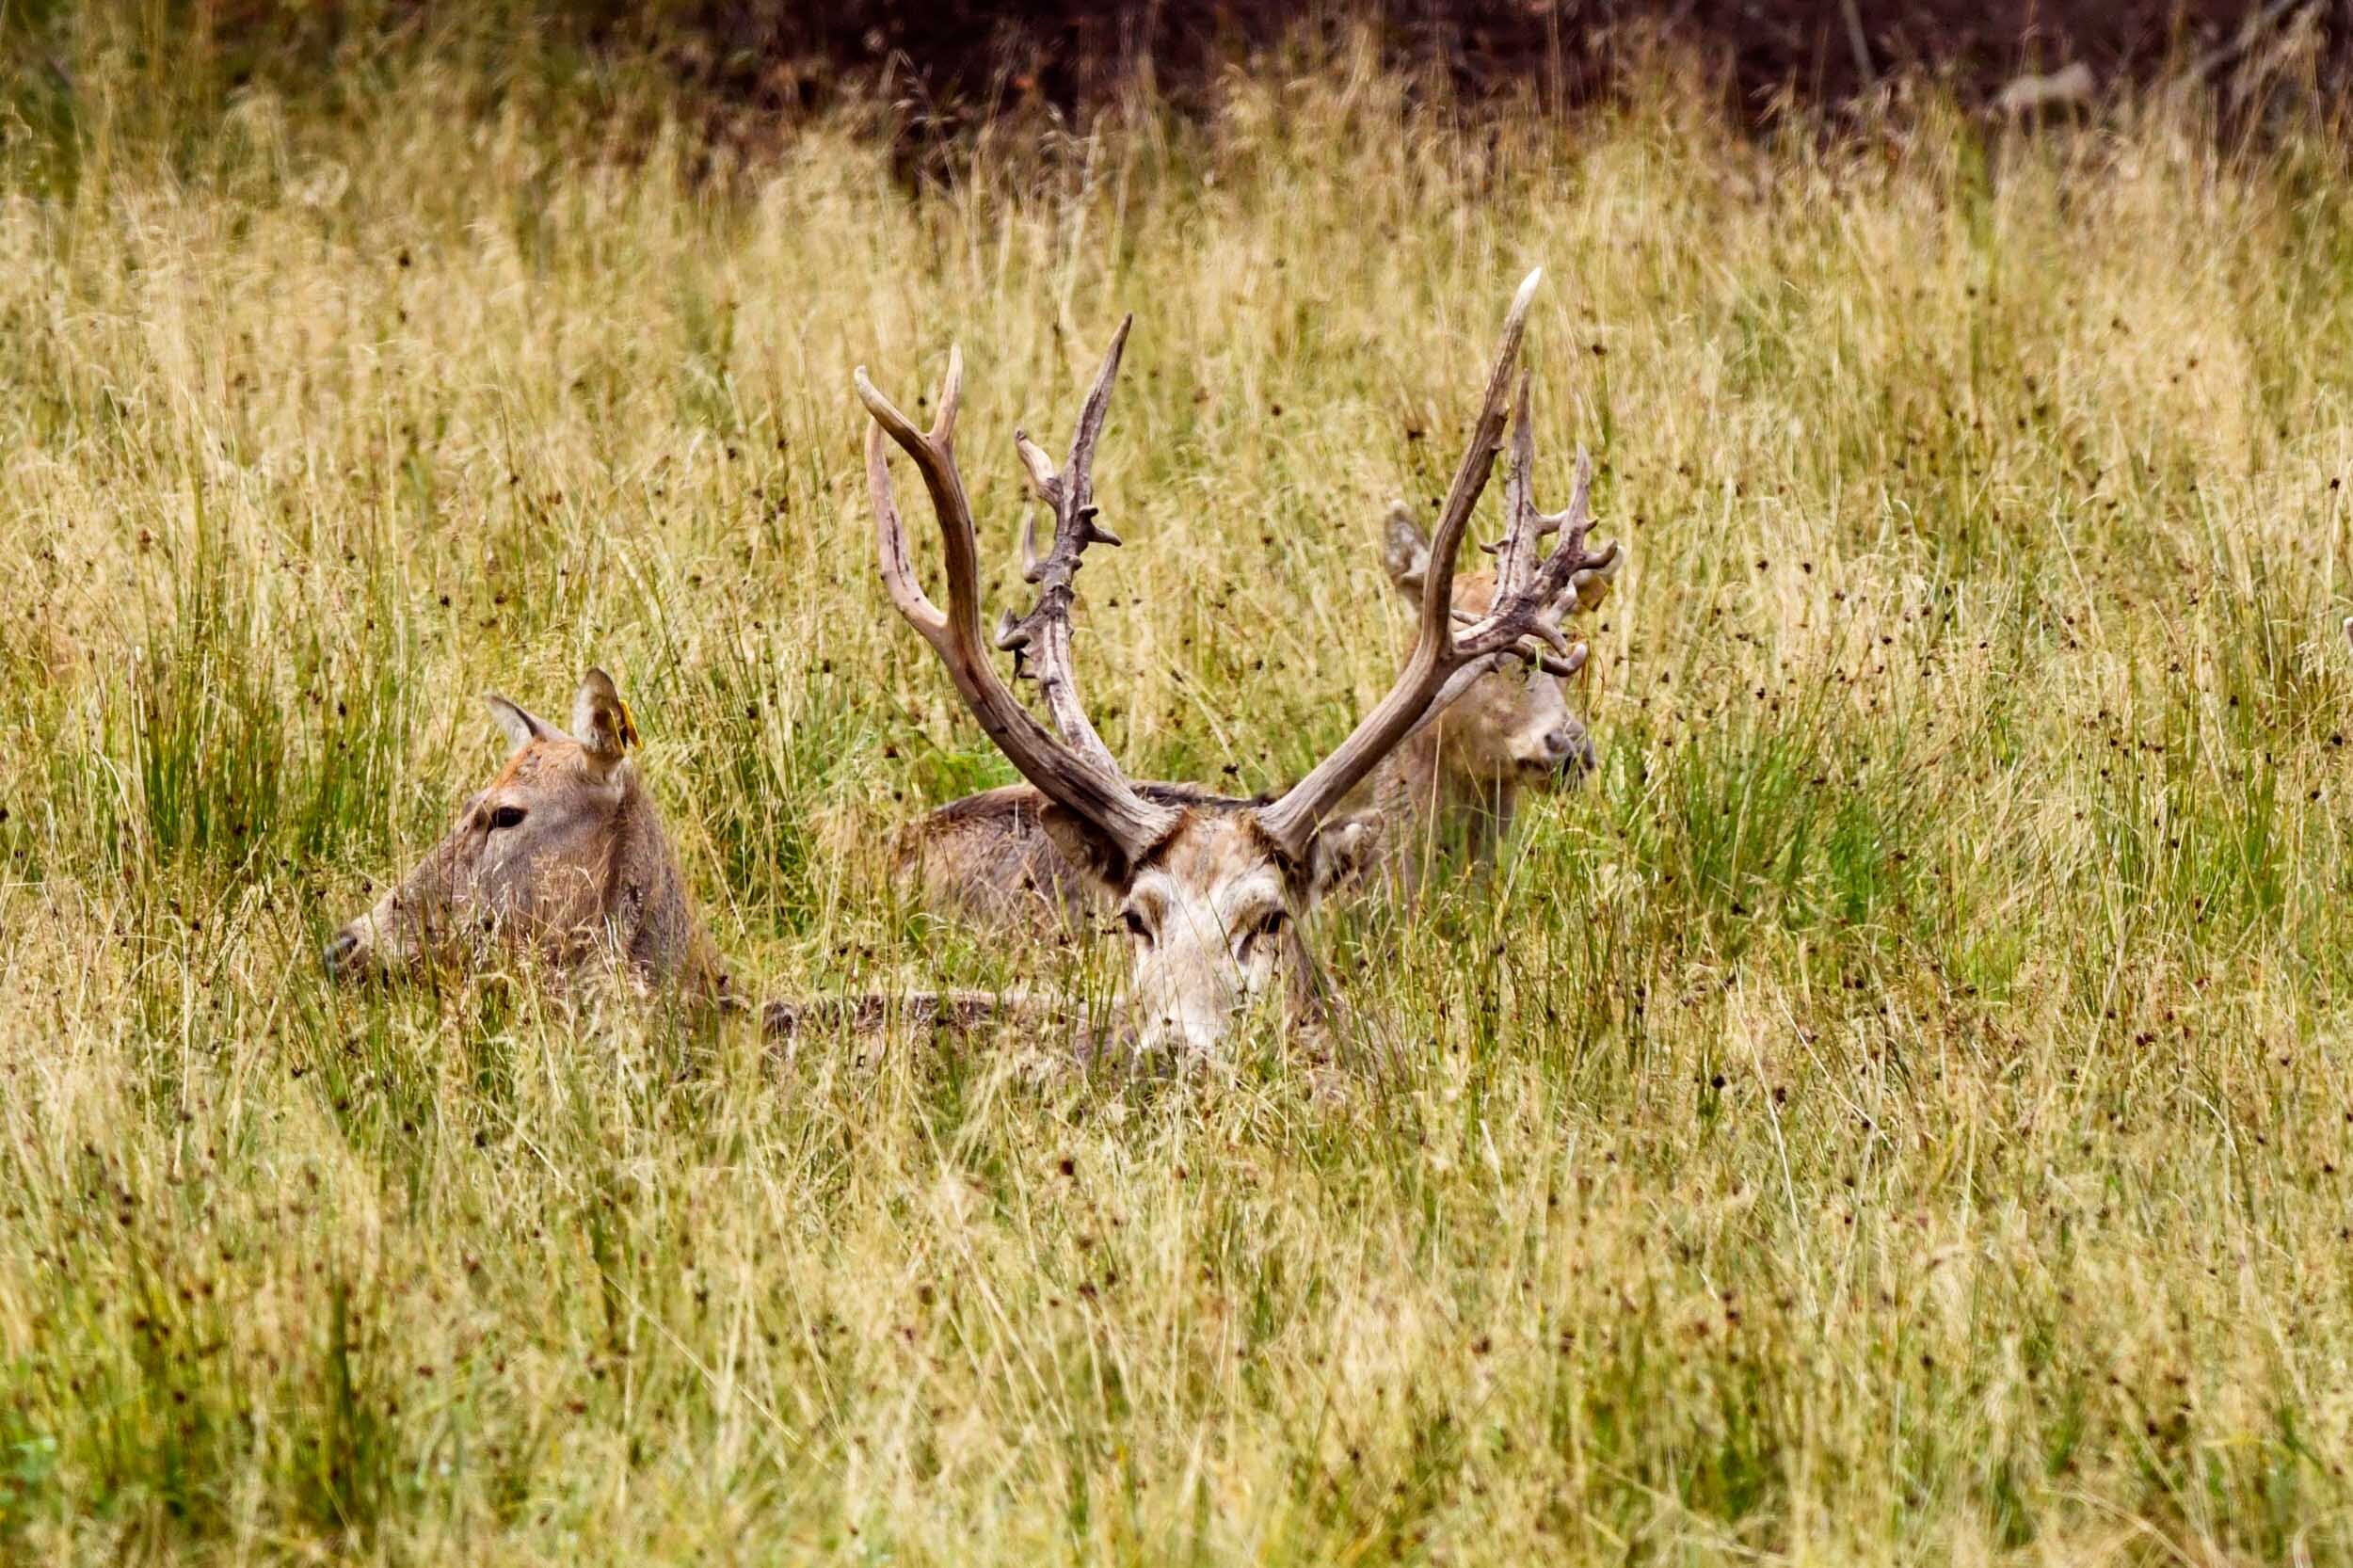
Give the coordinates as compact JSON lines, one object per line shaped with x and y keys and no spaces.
{"x":1211,"y":889}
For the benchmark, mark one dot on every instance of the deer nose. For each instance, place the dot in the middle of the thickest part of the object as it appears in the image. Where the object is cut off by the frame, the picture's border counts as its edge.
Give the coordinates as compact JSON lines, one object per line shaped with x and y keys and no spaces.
{"x":340,"y":949}
{"x":1572,"y":753}
{"x":1179,"y":1032}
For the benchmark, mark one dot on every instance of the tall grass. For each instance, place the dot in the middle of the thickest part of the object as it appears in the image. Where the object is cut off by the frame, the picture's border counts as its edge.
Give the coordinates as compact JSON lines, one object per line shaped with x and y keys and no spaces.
{"x":1899,"y":1111}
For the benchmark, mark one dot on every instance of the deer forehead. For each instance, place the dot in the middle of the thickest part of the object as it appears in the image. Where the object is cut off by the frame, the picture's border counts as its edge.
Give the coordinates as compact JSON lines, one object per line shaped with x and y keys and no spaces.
{"x":1530,"y":693}
{"x":1505,"y":699}
{"x":547,"y":764}
{"x":550,"y":778}
{"x":1225,"y":856}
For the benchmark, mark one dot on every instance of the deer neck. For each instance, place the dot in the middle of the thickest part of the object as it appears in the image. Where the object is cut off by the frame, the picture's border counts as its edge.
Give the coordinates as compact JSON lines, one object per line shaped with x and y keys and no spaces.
{"x":1415,"y":790}
{"x":646,"y":904}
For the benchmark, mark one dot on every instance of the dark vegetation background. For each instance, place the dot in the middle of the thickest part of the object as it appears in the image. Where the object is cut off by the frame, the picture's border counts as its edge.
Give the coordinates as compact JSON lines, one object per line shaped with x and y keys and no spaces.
{"x":747,"y":70}
{"x":1073,"y":54}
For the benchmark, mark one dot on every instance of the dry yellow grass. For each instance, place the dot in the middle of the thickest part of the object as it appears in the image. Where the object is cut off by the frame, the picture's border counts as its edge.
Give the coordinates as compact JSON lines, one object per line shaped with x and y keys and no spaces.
{"x":1900,"y":1113}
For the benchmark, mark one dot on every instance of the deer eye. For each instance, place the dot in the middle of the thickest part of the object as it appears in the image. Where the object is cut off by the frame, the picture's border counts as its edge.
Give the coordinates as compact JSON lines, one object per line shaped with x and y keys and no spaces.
{"x":1270,"y":928}
{"x":507,"y":816}
{"x":1136,"y":927}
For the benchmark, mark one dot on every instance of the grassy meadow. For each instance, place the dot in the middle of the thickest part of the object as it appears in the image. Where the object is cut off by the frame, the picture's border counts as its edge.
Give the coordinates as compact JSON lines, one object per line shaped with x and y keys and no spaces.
{"x":1901,"y":1110}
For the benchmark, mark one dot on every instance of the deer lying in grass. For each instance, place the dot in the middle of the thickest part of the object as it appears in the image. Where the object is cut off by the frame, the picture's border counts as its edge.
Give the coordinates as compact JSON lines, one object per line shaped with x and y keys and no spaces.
{"x":563,"y":857}
{"x":1513,"y":730}
{"x":1211,"y":889}
{"x":988,"y":858}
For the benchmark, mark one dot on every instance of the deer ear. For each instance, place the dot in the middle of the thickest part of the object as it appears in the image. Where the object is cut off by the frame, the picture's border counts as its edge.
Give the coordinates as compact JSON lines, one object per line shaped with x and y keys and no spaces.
{"x":522,"y":726}
{"x":1345,"y":850}
{"x":601,"y":722}
{"x":1085,"y":847}
{"x":1404,"y":551}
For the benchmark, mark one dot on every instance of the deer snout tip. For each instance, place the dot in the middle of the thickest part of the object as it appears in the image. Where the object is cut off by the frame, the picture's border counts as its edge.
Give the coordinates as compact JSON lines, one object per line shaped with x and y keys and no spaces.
{"x":1573,"y":755}
{"x":1178,"y":1034}
{"x":340,"y":951}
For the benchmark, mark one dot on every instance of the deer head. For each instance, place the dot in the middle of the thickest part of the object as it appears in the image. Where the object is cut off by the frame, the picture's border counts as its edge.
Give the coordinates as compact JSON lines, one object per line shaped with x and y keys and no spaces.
{"x":562,"y":853}
{"x":1211,"y":891}
{"x":1514,"y":725}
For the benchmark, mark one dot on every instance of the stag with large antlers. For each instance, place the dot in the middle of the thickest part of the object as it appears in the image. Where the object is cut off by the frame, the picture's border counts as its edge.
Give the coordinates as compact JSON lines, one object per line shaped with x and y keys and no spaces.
{"x":1454,"y":785}
{"x":1211,"y":889}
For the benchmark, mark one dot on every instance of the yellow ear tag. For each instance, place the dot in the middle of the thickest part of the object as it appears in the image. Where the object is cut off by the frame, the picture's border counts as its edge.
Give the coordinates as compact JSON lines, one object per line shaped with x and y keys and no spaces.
{"x":627,"y":736}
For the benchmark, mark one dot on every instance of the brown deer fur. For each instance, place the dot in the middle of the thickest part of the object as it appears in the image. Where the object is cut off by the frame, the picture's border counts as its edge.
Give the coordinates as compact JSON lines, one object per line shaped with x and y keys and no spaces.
{"x":563,"y":855}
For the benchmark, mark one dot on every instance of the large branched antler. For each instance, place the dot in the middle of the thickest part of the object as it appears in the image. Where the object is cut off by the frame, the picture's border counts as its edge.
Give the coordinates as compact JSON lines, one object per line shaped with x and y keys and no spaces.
{"x":1043,"y":636}
{"x":1534,"y":592}
{"x":1076,"y":773}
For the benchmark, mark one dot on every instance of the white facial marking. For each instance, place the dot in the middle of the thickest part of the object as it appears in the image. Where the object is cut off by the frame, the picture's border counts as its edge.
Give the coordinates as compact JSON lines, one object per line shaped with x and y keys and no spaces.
{"x":1203,"y":953}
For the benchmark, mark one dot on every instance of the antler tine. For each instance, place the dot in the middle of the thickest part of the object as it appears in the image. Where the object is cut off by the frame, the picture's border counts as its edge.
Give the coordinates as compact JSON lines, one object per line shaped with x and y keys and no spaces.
{"x":1080,"y":471}
{"x":1525,"y":526}
{"x":1435,"y":658}
{"x":1028,"y":546}
{"x":935,"y":458}
{"x":1089,"y":785}
{"x":1549,"y":592}
{"x":1044,"y":634}
{"x":1471,"y":476}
